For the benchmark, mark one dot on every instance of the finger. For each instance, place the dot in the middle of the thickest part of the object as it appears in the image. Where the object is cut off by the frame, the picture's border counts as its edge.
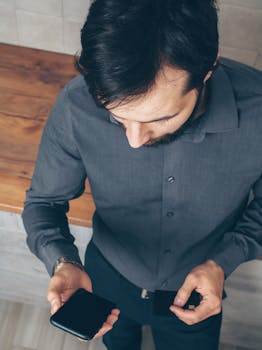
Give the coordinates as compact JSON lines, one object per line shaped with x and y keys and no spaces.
{"x":115,"y":312}
{"x":87,"y":286}
{"x":186,"y":316}
{"x":184,"y":292}
{"x":55,"y":305}
{"x":53,"y":296}
{"x":105,"y":328}
{"x":200,"y":313}
{"x":111,"y":319}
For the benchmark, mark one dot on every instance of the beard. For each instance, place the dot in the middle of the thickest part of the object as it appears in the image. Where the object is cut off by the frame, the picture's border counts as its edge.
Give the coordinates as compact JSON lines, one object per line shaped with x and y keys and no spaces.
{"x":190,"y":122}
{"x":168,"y":138}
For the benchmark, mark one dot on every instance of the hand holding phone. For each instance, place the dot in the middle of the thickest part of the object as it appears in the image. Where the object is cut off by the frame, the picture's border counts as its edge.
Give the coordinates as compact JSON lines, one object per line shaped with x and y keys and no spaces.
{"x":163,"y":299}
{"x":83,"y":314}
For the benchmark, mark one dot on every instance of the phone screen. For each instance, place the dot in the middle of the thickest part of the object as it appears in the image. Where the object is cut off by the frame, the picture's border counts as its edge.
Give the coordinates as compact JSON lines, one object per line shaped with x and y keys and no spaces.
{"x":83,"y":314}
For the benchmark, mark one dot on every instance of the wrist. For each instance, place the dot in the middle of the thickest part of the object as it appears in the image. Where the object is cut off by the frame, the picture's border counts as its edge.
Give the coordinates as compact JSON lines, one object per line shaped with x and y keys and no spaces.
{"x":63,"y":261}
{"x":215,"y":264}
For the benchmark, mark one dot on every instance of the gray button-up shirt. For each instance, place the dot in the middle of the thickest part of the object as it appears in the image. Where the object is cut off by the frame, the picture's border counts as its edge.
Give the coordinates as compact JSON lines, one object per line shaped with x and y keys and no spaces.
{"x":160,"y":211}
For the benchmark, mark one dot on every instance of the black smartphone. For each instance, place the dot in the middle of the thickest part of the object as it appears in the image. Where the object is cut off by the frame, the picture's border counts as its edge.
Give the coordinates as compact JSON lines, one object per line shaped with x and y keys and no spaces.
{"x":83,"y":314}
{"x":163,"y":299}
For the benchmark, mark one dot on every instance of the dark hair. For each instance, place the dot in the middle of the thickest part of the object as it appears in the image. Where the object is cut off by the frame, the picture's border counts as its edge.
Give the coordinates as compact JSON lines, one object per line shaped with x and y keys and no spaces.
{"x":126,"y":42}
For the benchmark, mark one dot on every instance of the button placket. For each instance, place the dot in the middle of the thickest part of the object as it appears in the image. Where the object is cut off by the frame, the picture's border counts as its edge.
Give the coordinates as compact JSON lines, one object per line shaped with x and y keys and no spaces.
{"x":171,"y":180}
{"x":168,"y":213}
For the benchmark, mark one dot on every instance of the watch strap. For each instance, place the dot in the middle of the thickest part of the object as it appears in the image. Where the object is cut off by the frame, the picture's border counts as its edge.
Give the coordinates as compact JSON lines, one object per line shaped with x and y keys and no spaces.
{"x":65,"y":259}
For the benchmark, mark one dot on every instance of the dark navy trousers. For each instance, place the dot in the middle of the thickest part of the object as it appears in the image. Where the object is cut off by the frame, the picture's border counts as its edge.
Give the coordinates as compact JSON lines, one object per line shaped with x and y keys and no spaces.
{"x":169,"y":333}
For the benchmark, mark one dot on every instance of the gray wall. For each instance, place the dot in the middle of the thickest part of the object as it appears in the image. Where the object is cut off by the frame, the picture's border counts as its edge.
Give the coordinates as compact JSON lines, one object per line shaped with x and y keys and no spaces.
{"x":55,"y":25}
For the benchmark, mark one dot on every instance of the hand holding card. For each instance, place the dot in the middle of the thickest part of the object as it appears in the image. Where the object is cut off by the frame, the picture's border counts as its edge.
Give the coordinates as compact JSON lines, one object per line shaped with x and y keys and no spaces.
{"x":163,"y":299}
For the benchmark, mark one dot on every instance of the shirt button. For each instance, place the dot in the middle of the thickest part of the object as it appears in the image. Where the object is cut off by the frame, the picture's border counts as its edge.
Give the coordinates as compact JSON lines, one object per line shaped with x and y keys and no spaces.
{"x":171,"y":179}
{"x":164,"y":283}
{"x":170,"y":213}
{"x":167,"y":251}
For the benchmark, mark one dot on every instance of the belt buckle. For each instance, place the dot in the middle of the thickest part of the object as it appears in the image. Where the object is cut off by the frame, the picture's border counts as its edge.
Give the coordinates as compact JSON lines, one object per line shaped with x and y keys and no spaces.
{"x":144,"y":294}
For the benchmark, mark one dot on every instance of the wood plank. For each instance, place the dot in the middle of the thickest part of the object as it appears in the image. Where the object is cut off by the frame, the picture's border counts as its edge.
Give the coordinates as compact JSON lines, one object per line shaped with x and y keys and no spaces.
{"x":19,"y":144}
{"x":32,"y":83}
{"x":15,"y":347}
{"x":12,"y":196}
{"x":43,"y":61}
{"x":28,"y":337}
{"x":30,"y":80}
{"x":8,"y":327}
{"x":16,"y":103}
{"x":71,"y":342}
{"x":35,"y":72}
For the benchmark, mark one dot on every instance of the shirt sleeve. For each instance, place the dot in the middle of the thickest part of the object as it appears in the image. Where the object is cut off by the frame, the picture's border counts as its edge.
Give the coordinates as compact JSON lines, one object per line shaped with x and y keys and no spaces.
{"x":58,"y":177}
{"x":244,"y":242}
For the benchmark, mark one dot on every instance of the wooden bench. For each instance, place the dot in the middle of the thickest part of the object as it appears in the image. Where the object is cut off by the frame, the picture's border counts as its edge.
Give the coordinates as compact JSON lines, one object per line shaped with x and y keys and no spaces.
{"x":30,"y":80}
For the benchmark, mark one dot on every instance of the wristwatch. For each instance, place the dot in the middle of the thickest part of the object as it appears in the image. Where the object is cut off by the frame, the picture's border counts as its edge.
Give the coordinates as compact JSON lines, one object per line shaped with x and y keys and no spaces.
{"x":63,"y":259}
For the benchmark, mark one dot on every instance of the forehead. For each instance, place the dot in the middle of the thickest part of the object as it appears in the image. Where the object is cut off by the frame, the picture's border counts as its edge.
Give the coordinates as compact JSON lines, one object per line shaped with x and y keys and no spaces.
{"x":164,"y":98}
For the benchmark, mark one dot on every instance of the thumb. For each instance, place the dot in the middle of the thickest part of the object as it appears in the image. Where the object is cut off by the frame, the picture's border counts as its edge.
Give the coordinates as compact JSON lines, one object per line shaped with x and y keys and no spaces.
{"x":184,"y":293}
{"x":55,"y":300}
{"x":55,"y":305}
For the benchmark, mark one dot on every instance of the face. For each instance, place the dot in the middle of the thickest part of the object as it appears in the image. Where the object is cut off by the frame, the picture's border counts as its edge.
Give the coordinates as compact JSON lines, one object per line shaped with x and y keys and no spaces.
{"x":162,"y":114}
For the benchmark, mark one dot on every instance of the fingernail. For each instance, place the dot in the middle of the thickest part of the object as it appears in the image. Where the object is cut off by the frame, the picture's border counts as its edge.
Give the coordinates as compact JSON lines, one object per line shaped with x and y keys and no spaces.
{"x":178,"y":301}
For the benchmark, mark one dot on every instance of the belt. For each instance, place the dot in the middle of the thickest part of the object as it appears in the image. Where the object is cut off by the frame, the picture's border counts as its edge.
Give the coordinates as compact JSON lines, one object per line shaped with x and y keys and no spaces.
{"x":145,"y":294}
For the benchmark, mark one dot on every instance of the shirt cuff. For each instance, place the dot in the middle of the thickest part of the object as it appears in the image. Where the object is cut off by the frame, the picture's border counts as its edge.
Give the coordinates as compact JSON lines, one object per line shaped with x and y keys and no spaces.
{"x":54,"y":250}
{"x":229,"y":253}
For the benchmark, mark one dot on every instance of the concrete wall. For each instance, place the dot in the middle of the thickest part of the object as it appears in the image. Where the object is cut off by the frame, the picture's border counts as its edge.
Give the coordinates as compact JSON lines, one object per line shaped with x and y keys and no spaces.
{"x":55,"y":25}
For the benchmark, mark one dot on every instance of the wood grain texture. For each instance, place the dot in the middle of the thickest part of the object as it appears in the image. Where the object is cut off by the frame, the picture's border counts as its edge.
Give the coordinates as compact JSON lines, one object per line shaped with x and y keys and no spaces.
{"x":30,"y":80}
{"x":12,"y":197}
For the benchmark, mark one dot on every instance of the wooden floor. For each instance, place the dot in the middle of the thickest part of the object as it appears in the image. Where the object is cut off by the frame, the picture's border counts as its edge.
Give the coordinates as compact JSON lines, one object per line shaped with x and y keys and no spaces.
{"x":27,"y":327}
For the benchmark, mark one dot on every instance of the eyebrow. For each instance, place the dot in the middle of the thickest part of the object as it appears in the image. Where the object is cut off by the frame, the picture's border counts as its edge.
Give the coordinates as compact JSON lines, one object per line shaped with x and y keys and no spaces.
{"x":150,"y":121}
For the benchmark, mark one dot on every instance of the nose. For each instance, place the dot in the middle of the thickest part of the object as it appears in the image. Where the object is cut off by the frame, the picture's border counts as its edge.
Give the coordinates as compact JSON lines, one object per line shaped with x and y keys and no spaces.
{"x":136,"y":134}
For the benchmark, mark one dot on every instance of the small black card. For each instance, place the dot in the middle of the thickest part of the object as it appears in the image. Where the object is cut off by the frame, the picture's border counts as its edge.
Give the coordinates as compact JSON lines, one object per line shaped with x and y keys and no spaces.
{"x":163,"y":299}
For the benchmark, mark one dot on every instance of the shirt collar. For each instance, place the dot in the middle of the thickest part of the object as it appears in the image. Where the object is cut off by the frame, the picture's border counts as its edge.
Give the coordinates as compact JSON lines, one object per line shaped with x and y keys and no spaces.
{"x":112,"y":120}
{"x":221,"y":112}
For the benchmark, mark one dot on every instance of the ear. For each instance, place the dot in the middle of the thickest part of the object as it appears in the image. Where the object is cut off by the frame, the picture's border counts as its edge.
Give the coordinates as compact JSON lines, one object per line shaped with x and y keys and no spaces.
{"x":208,"y":76}
{"x":211,"y":72}
{"x":216,"y":61}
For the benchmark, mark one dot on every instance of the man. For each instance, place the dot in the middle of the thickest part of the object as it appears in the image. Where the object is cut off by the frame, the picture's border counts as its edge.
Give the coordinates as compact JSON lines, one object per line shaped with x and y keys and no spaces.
{"x":169,"y":136}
